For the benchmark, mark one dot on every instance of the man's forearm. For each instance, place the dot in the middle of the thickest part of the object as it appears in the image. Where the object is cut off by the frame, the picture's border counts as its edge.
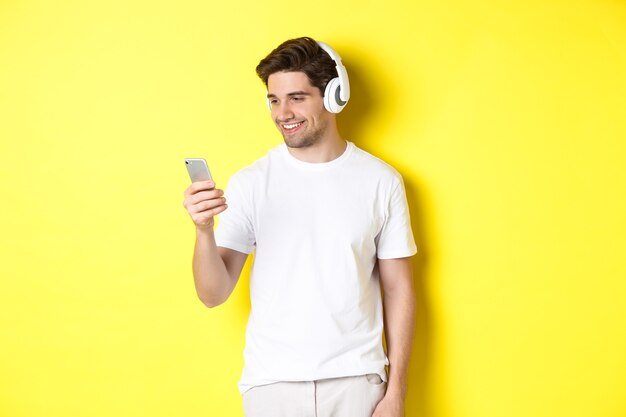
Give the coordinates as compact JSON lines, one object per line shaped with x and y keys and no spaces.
{"x":399,"y":307}
{"x":211,"y":278}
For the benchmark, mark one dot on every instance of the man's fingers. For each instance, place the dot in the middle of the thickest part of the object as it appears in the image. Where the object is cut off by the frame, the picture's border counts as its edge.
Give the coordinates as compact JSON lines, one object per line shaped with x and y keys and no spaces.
{"x":206,"y":195}
{"x":192,"y":199}
{"x":208,"y":205}
{"x":204,"y":216}
{"x":219,"y":209}
{"x":203,"y":201}
{"x":199,"y":186}
{"x":203,"y":185}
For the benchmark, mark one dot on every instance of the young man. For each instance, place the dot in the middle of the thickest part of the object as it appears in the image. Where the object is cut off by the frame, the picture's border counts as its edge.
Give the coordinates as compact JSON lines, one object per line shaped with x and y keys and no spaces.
{"x":328,"y":223}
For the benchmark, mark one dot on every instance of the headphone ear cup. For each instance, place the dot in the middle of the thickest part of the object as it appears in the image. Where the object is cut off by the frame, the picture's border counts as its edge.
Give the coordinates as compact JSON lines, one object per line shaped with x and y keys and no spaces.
{"x":331,"y":96}
{"x":269,"y":104}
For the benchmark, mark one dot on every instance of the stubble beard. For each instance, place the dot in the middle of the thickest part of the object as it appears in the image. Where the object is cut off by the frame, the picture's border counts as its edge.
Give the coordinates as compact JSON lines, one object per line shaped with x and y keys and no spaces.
{"x":305,"y":140}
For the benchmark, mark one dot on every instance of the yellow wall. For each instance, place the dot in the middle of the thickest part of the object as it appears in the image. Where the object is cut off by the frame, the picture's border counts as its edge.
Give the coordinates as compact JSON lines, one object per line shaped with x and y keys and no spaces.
{"x":507,"y":120}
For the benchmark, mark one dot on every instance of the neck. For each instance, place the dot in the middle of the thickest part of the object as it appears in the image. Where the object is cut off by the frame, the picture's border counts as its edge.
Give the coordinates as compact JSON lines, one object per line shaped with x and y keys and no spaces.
{"x":329,"y":147}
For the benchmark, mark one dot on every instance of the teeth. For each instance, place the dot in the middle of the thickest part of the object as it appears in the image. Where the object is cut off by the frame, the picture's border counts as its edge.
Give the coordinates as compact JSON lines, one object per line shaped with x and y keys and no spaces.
{"x":291,"y":126}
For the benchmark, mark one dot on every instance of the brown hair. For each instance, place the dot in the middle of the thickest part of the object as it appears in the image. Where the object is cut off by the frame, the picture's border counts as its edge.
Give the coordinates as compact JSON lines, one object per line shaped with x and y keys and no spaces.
{"x":303,"y":55}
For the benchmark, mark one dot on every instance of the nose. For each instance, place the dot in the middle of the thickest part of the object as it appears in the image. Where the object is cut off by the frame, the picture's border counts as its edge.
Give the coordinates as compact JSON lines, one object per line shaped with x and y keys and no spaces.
{"x":282,"y":111}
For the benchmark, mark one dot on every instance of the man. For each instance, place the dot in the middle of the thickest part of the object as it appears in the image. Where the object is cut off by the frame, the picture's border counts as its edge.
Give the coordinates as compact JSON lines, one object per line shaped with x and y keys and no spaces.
{"x":328,"y":223}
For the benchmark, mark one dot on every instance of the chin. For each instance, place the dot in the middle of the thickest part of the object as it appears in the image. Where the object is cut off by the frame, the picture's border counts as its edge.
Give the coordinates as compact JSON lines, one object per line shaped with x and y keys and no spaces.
{"x":299,"y":142}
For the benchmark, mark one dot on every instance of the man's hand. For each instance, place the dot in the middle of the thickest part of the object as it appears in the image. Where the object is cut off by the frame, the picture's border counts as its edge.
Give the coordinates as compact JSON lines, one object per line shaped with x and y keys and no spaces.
{"x":203,"y":201}
{"x":390,"y":406}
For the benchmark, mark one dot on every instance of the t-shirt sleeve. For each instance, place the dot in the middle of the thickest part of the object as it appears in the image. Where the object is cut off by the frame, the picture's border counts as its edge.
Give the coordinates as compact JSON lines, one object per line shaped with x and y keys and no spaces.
{"x":395,"y":239}
{"x":235,"y":228}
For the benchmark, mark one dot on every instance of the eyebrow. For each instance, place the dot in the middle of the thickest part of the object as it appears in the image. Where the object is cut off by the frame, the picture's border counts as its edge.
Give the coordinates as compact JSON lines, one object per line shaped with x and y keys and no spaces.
{"x":295,"y":93}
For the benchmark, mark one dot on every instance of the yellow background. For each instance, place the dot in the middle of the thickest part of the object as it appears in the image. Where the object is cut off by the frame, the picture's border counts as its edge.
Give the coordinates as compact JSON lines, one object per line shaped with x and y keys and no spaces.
{"x":506,"y":119}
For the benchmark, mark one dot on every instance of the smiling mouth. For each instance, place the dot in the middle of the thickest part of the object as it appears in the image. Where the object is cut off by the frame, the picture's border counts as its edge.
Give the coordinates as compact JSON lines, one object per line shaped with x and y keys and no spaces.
{"x":291,"y":127}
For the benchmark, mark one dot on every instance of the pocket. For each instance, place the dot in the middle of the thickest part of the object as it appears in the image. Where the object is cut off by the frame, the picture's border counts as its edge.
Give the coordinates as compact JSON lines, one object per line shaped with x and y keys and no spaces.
{"x":374,"y":379}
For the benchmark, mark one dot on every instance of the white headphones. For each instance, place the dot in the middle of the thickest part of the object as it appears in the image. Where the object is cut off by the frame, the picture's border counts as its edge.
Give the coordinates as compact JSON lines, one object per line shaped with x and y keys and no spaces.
{"x":337,"y":91}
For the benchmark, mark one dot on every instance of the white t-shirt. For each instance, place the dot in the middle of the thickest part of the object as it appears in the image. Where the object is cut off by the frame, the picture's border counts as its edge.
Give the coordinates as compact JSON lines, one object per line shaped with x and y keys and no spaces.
{"x":317,"y":230}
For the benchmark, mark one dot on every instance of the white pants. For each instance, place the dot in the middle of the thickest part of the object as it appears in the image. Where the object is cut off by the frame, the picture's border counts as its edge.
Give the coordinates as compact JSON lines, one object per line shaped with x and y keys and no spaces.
{"x":353,"y":396}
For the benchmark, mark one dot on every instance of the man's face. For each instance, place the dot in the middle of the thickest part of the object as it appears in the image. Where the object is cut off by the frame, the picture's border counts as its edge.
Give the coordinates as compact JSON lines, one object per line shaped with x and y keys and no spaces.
{"x":297,"y":108}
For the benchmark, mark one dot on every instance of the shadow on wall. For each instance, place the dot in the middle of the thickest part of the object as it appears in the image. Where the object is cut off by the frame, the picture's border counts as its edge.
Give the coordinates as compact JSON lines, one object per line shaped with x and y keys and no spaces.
{"x":365,"y":98}
{"x":417,"y":397}
{"x":354,"y":118}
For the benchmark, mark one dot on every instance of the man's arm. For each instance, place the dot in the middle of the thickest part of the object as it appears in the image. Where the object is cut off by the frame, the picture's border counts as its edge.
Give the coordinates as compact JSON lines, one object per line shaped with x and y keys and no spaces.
{"x":216,"y":270}
{"x":396,"y":276}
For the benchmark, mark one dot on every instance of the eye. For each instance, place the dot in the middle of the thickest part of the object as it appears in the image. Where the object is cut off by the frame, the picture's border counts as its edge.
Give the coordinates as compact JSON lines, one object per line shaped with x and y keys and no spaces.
{"x":297,"y":98}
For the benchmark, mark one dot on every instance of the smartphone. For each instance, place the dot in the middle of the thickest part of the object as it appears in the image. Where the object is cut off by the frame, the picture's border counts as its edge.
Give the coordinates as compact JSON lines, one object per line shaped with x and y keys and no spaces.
{"x":198,"y":169}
